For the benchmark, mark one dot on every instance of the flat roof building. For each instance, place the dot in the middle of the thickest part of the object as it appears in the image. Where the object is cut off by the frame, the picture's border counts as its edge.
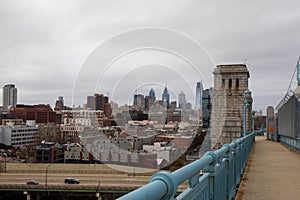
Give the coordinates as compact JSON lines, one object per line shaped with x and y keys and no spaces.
{"x":18,"y":135}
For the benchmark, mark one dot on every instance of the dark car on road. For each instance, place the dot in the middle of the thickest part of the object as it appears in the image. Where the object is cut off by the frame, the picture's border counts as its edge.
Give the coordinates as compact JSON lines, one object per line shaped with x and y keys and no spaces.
{"x":32,"y":182}
{"x":72,"y":181}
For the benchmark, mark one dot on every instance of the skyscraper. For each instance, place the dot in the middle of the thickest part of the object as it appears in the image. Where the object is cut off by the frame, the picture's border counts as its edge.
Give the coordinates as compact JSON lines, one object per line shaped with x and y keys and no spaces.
{"x":182,"y":100}
{"x":59,"y":104}
{"x":152,"y":94}
{"x":99,"y":102}
{"x":199,"y":94}
{"x":9,"y":96}
{"x":206,"y":107}
{"x":90,"y":102}
{"x":166,"y":97}
{"x":139,"y":101}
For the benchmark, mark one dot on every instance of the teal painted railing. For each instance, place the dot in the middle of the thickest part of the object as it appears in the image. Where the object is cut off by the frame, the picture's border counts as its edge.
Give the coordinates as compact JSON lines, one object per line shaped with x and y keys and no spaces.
{"x":216,"y":175}
{"x":291,"y":143}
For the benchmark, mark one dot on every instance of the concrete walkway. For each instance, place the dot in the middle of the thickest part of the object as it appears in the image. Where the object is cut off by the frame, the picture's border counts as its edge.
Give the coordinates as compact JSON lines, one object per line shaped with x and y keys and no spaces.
{"x":273,"y":172}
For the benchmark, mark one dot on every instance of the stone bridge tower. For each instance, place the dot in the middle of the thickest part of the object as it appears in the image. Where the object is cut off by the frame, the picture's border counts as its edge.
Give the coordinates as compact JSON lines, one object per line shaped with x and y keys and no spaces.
{"x":230,"y":82}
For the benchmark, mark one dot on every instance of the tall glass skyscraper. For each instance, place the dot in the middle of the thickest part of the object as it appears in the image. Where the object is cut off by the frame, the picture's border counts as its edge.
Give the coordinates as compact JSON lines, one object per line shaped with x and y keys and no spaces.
{"x":152,"y":94}
{"x":199,"y":94}
{"x":9,"y":96}
{"x":166,"y":97}
{"x":182,"y":100}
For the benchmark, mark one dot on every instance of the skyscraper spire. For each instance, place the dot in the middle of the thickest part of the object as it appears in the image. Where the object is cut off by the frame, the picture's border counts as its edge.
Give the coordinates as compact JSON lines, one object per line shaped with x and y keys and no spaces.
{"x":152,"y":94}
{"x":166,"y":97}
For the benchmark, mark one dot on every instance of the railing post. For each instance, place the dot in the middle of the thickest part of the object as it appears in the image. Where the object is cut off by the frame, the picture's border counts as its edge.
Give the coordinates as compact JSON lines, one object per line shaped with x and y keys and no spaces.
{"x":230,"y":186}
{"x":169,"y":179}
{"x":238,"y":156}
{"x":211,"y":170}
{"x":235,"y":163}
{"x":244,"y":156}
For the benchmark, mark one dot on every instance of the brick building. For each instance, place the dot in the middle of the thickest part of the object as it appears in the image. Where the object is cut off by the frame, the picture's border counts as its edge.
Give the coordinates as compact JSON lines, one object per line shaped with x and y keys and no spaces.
{"x":49,"y":152}
{"x":41,"y":113}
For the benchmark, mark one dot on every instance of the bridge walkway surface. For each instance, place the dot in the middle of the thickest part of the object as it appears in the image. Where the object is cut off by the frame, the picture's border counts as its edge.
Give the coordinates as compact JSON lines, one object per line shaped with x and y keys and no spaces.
{"x":273,"y":172}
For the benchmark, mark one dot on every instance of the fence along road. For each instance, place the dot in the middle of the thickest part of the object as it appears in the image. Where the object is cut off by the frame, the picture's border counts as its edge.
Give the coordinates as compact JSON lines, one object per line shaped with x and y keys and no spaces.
{"x":273,"y":173}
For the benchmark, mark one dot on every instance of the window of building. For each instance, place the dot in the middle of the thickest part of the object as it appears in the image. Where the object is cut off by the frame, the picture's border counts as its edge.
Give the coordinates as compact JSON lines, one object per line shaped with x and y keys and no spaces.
{"x":223,"y":82}
{"x":230,"y":82}
{"x":237,"y":82}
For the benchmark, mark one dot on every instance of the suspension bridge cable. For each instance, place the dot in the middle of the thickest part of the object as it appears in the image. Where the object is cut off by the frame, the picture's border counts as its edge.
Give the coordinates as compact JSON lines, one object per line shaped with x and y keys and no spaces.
{"x":288,"y":92}
{"x":293,"y":76}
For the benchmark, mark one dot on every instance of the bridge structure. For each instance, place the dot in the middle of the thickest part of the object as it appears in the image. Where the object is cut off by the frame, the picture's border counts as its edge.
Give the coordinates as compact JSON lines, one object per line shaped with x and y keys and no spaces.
{"x":226,"y":172}
{"x":251,"y":167}
{"x":217,"y":175}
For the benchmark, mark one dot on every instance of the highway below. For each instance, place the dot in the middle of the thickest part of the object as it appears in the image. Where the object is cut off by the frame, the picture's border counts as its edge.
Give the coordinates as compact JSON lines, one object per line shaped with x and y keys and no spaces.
{"x":58,"y":179}
{"x":52,"y":185}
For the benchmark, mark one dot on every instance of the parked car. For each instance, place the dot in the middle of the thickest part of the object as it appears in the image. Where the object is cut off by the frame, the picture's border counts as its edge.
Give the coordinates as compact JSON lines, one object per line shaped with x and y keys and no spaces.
{"x":72,"y":181}
{"x":32,"y":182}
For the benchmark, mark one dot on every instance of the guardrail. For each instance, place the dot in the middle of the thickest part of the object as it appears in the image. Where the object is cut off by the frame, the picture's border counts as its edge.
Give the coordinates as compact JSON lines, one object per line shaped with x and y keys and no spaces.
{"x":216,"y":175}
{"x":291,"y":143}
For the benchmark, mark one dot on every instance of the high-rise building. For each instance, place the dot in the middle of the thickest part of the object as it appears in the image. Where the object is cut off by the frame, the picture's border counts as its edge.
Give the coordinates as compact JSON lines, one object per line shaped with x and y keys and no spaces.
{"x":99,"y":102}
{"x":90,"y":102}
{"x":199,"y":94}
{"x":166,"y":97}
{"x":152,"y":94}
{"x":59,"y":104}
{"x":182,"y":100}
{"x":9,"y":96}
{"x":173,"y":105}
{"x":148,"y":102}
{"x":139,"y":101}
{"x":206,"y":107}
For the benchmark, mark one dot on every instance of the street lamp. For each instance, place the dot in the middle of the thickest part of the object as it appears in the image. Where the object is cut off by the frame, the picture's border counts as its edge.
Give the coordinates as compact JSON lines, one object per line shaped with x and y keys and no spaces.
{"x":46,"y":179}
{"x":5,"y":155}
{"x":247,"y":96}
{"x":253,"y":121}
{"x":98,"y":195}
{"x":133,"y":167}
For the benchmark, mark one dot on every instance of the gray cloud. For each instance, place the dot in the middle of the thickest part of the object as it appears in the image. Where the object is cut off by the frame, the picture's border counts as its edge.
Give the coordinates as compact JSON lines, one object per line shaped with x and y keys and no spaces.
{"x":43,"y":44}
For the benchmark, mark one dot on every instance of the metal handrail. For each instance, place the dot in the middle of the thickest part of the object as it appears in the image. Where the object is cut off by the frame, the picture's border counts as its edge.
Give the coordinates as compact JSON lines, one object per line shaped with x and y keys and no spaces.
{"x":222,"y":169}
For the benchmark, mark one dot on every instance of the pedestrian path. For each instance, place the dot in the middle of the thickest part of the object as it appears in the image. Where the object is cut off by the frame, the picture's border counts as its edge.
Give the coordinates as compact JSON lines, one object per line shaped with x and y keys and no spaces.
{"x":273,"y":172}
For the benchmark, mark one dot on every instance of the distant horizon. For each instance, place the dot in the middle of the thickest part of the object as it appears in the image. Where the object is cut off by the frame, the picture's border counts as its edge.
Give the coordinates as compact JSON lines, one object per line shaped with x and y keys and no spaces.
{"x":119,"y":105}
{"x":50,"y":49}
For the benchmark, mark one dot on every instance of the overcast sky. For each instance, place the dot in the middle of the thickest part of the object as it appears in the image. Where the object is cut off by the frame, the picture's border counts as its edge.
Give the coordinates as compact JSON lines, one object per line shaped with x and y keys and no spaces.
{"x":44,"y":45}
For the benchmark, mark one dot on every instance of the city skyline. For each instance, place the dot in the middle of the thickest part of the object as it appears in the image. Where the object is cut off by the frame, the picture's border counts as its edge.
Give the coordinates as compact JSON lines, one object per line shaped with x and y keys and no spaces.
{"x":42,"y":53}
{"x":90,"y":99}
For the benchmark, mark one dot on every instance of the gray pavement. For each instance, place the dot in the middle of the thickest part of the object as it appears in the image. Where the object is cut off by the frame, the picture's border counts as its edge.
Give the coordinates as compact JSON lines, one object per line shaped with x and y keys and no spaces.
{"x":273,"y":173}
